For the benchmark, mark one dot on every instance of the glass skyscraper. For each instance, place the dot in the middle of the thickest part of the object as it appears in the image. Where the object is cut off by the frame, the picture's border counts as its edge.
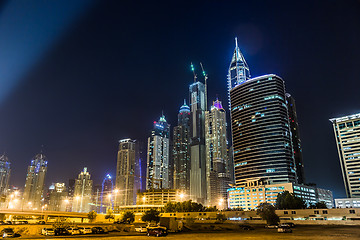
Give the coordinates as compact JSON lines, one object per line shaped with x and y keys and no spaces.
{"x":157,"y":176}
{"x":83,"y":192}
{"x":261,"y":132}
{"x":347,"y":135}
{"x":197,"y":142}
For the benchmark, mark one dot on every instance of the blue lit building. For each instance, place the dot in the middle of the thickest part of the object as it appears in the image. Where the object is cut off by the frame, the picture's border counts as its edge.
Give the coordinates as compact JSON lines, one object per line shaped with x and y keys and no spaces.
{"x":157,"y":176}
{"x":35,"y":181}
{"x":4,"y":174}
{"x":181,"y":150}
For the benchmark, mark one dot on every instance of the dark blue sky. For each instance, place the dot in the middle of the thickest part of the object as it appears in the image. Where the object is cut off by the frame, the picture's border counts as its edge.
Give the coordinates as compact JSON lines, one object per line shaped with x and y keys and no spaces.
{"x":78,"y":76}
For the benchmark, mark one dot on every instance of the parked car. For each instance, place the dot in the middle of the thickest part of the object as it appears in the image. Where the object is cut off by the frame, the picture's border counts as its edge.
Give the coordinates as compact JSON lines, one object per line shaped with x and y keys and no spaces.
{"x":60,"y":231}
{"x":85,"y":230}
{"x":247,"y":227}
{"x":157,"y":231}
{"x":41,"y":222}
{"x":271,"y":226}
{"x":284,"y":229}
{"x":7,"y":233}
{"x":141,"y":229}
{"x":97,"y":230}
{"x":292,"y":225}
{"x":48,"y":231}
{"x":73,"y":230}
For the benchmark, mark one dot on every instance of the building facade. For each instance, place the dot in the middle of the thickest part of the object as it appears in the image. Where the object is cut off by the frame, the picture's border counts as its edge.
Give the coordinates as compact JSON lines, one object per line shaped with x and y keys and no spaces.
{"x":157,"y":176}
{"x":34,"y":184}
{"x":125,"y":172}
{"x":347,"y":203}
{"x":261,"y":133}
{"x":198,"y":107}
{"x":83,"y":192}
{"x":181,"y":150}
{"x":252,"y":193}
{"x":295,"y":137}
{"x":217,"y":167}
{"x":4,"y":174}
{"x":347,"y":136}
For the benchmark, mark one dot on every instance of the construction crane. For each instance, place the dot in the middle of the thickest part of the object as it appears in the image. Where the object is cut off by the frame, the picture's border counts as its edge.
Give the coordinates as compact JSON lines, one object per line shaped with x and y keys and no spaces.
{"x":205,"y":77}
{"x":193,"y":70}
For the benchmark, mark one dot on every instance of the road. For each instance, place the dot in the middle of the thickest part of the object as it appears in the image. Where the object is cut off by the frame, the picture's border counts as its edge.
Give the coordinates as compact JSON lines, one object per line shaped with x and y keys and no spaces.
{"x":299,"y":233}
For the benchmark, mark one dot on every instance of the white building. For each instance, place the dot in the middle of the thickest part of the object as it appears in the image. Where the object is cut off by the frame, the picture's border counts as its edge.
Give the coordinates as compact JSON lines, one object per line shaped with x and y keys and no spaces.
{"x":83,"y":192}
{"x":347,"y":203}
{"x":347,"y":135}
{"x":252,"y":193}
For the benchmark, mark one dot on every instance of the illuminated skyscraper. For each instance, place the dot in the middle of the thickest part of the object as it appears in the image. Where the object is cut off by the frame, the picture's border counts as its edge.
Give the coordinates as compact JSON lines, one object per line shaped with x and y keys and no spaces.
{"x":82,"y":192}
{"x":35,"y":181}
{"x":107,"y":198}
{"x":347,"y":135}
{"x":181,"y":150}
{"x":295,"y":137}
{"x":4,"y":174}
{"x":128,"y":154}
{"x":261,"y":132}
{"x":198,"y":107}
{"x":158,"y":156}
{"x":217,"y":166}
{"x":238,"y":70}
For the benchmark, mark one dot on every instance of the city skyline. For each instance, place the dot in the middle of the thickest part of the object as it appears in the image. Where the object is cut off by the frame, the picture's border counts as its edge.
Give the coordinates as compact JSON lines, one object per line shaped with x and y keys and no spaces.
{"x":87,"y":133}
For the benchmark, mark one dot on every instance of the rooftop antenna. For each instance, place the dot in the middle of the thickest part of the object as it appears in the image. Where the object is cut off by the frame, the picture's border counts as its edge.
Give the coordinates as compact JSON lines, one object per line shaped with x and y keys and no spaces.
{"x":205,"y":77}
{"x":193,"y":70}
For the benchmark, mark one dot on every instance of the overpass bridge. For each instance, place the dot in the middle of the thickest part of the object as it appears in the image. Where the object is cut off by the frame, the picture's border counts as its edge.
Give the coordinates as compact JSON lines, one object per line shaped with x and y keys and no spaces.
{"x":45,"y":214}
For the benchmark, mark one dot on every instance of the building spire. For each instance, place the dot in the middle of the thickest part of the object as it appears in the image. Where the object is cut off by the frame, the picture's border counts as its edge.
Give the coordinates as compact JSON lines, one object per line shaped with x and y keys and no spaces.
{"x":239,"y":70}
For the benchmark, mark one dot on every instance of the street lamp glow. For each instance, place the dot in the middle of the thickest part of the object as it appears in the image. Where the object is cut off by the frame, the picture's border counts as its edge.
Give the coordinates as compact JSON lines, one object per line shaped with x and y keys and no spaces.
{"x":109,"y":196}
{"x":116,"y":190}
{"x":77,"y":198}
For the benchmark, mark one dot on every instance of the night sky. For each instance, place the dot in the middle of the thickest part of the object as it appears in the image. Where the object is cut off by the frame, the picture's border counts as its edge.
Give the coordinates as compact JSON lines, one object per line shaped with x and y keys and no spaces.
{"x":77,"y":76}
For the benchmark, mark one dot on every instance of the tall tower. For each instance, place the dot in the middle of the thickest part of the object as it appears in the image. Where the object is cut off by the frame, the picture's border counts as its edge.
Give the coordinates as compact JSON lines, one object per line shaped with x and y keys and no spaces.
{"x":238,"y":70}
{"x":82,"y":192}
{"x":35,"y":181}
{"x":157,"y":175}
{"x":217,"y":166}
{"x":198,"y":107}
{"x":295,"y":137}
{"x":4,"y":174}
{"x":261,"y":132}
{"x":181,"y":150}
{"x":125,"y":172}
{"x":347,"y":135}
{"x":107,"y":198}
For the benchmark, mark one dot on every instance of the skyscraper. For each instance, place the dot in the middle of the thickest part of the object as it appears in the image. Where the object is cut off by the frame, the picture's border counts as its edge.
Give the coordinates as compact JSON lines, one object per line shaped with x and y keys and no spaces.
{"x":58,"y":197}
{"x":35,"y":181}
{"x":128,"y":154}
{"x":197,"y":142}
{"x":217,"y":166}
{"x":82,"y":192}
{"x":181,"y":150}
{"x":261,"y":132}
{"x":157,"y":176}
{"x":4,"y":174}
{"x":347,"y":135}
{"x":238,"y":71}
{"x":295,"y":137}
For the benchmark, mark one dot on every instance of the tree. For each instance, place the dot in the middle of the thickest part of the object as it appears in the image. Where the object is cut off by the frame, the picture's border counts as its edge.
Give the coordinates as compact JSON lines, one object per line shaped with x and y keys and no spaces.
{"x":92,"y":216}
{"x":267,"y":212}
{"x":109,"y":214}
{"x":128,"y":217}
{"x":151,"y":215}
{"x":286,"y":200}
{"x":319,"y":205}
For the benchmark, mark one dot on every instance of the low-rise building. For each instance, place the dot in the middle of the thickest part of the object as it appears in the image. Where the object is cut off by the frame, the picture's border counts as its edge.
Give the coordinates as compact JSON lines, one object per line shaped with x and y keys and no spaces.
{"x":347,"y":203}
{"x":158,"y":197}
{"x":252,"y":193}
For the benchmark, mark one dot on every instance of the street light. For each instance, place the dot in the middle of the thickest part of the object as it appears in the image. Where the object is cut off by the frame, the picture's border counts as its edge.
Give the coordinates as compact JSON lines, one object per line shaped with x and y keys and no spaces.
{"x":221,"y":201}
